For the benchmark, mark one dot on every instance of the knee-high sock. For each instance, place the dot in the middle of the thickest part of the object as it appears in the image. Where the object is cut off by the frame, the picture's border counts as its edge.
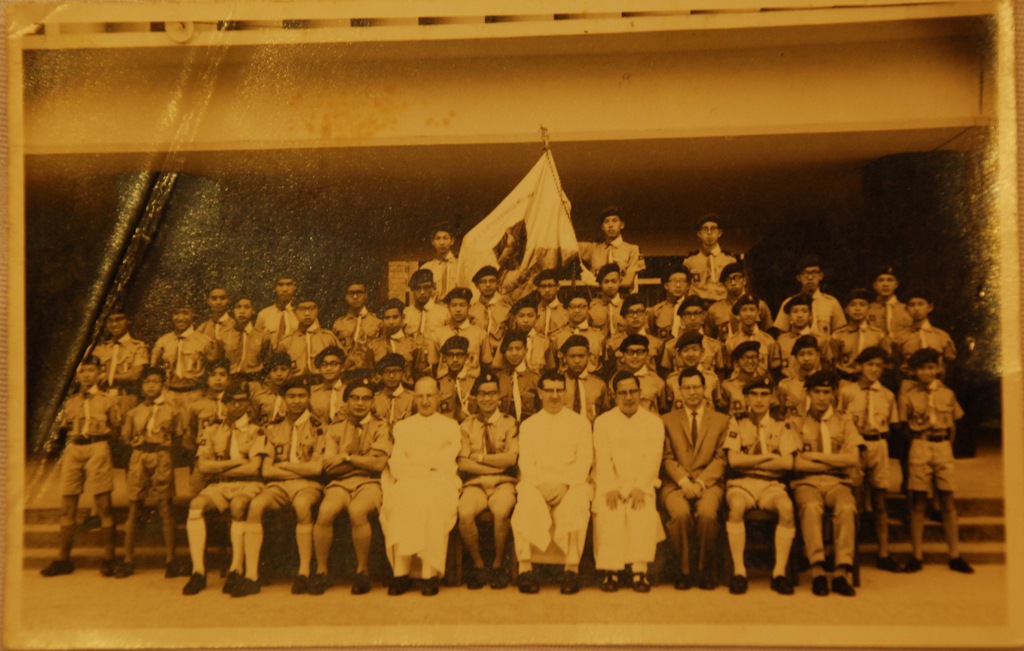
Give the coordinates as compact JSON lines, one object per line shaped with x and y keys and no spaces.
{"x":253,"y":543}
{"x":304,"y":541}
{"x":783,"y":544}
{"x":195,"y":527}
{"x":471,"y":538}
{"x":361,"y":535}
{"x":237,"y":546}
{"x":323,"y":538}
{"x":67,"y":536}
{"x":108,"y":535}
{"x":737,"y":534}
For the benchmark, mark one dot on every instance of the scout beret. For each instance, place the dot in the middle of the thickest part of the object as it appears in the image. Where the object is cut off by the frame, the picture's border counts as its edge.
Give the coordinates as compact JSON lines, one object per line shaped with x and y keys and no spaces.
{"x":547,"y":274}
{"x":330,"y":351}
{"x":577,"y":293}
{"x":730,"y":269}
{"x":279,"y":359}
{"x":150,"y":371}
{"x":610,"y":268}
{"x":746,"y":299}
{"x":809,"y":260}
{"x":455,"y":342}
{"x":799,"y":299}
{"x":361,"y":382}
{"x":804,"y":341}
{"x":757,"y":382}
{"x":690,"y":301}
{"x":671,"y":271}
{"x":690,"y":338}
{"x":484,"y":378}
{"x":610,"y":211}
{"x":459,"y":292}
{"x":710,"y":218}
{"x":391,"y":360}
{"x":90,"y":360}
{"x":859,"y":294}
{"x":525,"y":302}
{"x":301,"y":298}
{"x":884,"y":270}
{"x":629,"y":301}
{"x":295,"y":383}
{"x":633,"y":340}
{"x":870,"y":353}
{"x":746,"y":347}
{"x":391,"y":304}
{"x":574,"y":341}
{"x":821,"y":379}
{"x":924,"y":356}
{"x":918,"y":292}
{"x":235,"y":391}
{"x":223,"y":363}
{"x":421,"y":276}
{"x":510,"y":336}
{"x":484,"y":272}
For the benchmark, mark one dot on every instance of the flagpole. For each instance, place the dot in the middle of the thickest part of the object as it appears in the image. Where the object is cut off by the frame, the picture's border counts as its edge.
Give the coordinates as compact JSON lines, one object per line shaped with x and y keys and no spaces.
{"x":545,"y":137}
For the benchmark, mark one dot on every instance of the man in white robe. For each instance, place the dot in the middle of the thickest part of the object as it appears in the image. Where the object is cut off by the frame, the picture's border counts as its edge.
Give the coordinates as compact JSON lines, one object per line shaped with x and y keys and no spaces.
{"x":421,"y":492}
{"x":628,"y":445}
{"x":555,"y":455}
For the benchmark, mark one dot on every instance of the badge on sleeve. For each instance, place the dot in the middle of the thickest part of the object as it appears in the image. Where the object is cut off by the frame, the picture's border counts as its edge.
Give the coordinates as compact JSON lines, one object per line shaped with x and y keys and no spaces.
{"x":807,"y":447}
{"x":679,"y":404}
{"x":733,"y":434}
{"x":445,"y":407}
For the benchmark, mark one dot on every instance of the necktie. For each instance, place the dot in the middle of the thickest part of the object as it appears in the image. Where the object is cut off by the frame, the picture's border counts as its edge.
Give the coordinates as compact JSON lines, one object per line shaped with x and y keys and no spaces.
{"x":547,"y":320}
{"x":423,"y":320}
{"x":234,"y":452}
{"x":860,"y":338}
{"x":332,"y":408}
{"x":888,"y":317}
{"x":219,"y":406}
{"x":693,"y":426}
{"x":241,"y":353}
{"x":113,"y":366}
{"x":517,"y":396}
{"x":461,"y":396}
{"x":309,"y":352}
{"x":393,"y":343}
{"x":216,"y":333}
{"x":676,"y":320}
{"x":391,"y":410}
{"x":358,"y":336}
{"x":282,"y":326}
{"x":85,"y":414}
{"x":488,"y":448}
{"x":277,"y":406}
{"x":711,"y":270}
{"x":826,"y":437}
{"x":293,"y":452}
{"x":487,"y":312}
{"x":577,"y":399}
{"x":762,"y":437}
{"x":923,"y":338}
{"x":178,"y":369}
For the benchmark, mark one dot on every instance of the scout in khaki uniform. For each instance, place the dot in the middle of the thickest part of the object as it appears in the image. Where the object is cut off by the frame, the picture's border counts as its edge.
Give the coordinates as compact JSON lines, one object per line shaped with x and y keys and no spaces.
{"x":792,"y":396}
{"x":853,"y":338}
{"x":326,"y":399}
{"x":634,"y":351}
{"x":706,"y":264}
{"x":746,"y":360}
{"x":303,"y":345}
{"x":444,"y":264}
{"x":663,"y":319}
{"x":692,"y":318}
{"x":829,"y":457}
{"x":479,"y":350}
{"x":930,"y":410}
{"x":770,"y":360}
{"x":689,"y":353}
{"x":551,"y":314}
{"x":183,"y":354}
{"x":490,"y":309}
{"x":424,"y":315}
{"x":799,"y":310}
{"x":579,"y":325}
{"x":210,"y":407}
{"x":760,"y":451}
{"x":614,"y":249}
{"x":539,"y":355}
{"x":150,"y":429}
{"x":393,"y":401}
{"x":268,"y":398}
{"x":455,"y":388}
{"x":487,"y":465}
{"x":827,"y":313}
{"x":292,"y":468}
{"x":872,"y":407}
{"x":721,"y":322}
{"x":394,"y":339}
{"x":279,"y":320}
{"x":88,"y":417}
{"x":355,"y":452}
{"x":122,"y":358}
{"x":586,"y":393}
{"x":220,"y":318}
{"x":245,"y":347}
{"x":887,"y":311}
{"x":922,"y":334}
{"x":634,"y":322}
{"x":606,"y":308}
{"x":517,"y":384}
{"x":229,"y":459}
{"x":357,"y":327}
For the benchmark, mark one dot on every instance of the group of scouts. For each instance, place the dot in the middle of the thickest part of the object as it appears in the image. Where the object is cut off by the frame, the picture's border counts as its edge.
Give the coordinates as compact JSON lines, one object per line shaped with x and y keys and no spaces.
{"x":646,"y":421}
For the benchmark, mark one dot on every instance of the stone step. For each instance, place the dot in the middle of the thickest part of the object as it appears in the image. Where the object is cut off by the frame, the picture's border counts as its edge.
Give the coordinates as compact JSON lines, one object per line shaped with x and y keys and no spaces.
{"x":979,"y":553}
{"x":972,"y":528}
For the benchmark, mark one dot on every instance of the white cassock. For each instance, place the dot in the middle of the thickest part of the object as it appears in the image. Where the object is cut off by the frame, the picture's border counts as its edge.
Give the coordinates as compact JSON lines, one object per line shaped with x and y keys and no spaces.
{"x":421,"y":489}
{"x":627,"y":455}
{"x":553,"y":449}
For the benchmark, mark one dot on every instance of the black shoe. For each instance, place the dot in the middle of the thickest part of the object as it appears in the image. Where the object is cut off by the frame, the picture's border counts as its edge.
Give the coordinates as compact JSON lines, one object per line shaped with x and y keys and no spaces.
{"x":889,"y":564}
{"x":90,"y":523}
{"x":399,"y":585}
{"x":231,"y":582}
{"x":57,"y":568}
{"x":641,"y":583}
{"x":782,"y":585}
{"x":706,"y":581}
{"x":610,"y":582}
{"x":819,"y":586}
{"x":737,"y":584}
{"x":361,"y":584}
{"x":570,"y":582}
{"x":301,"y":584}
{"x":108,"y":567}
{"x":958,"y":564}
{"x":684,"y":582}
{"x":528,"y":583}
{"x":477,"y":578}
{"x":196,"y":584}
{"x":318,"y":584}
{"x":841,"y":586}
{"x":177,"y":568}
{"x":432,"y":586}
{"x":124,"y":570}
{"x":500,"y":578}
{"x":913,"y":565}
{"x":245,"y":587}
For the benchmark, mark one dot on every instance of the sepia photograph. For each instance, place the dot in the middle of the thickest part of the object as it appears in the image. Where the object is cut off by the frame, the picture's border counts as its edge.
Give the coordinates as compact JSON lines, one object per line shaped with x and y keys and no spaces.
{"x":380,"y":323}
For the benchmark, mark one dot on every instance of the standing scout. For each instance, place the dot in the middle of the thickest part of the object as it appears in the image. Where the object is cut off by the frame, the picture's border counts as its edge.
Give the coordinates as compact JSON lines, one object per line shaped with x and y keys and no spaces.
{"x":692,"y":470}
{"x":887,"y":311}
{"x":245,"y":347}
{"x":423,"y":316}
{"x":872,"y":407}
{"x":455,"y":388}
{"x":770,"y":358}
{"x":634,"y":350}
{"x":444,"y":263}
{"x":551,"y":315}
{"x":229,"y":459}
{"x":722,"y":323}
{"x":326,"y":400}
{"x":356,"y":450}
{"x":692,"y":318}
{"x":490,"y":310}
{"x":614,"y":249}
{"x":826,"y":311}
{"x":121,"y":358}
{"x":279,"y":320}
{"x":220,"y":317}
{"x":663,"y":318}
{"x":799,"y":310}
{"x":634,"y":321}
{"x":393,"y":400}
{"x":857,"y":335}
{"x":394,"y":339}
{"x":487,"y":465}
{"x":150,"y":429}
{"x":628,"y":444}
{"x":478,"y":351}
{"x":689,"y":352}
{"x":706,"y":264}
{"x":357,"y":327}
{"x":183,"y":354}
{"x":517,"y":383}
{"x":556,"y":451}
{"x":606,"y":307}
{"x":268,"y":398}
{"x":579,"y":326}
{"x":539,"y":355}
{"x":830,"y":454}
{"x":303,"y":345}
{"x":292,"y":468}
{"x":922,"y":334}
{"x":760,"y":451}
{"x":930,"y":410}
{"x":792,"y":395}
{"x":88,"y":417}
{"x":586,"y":393}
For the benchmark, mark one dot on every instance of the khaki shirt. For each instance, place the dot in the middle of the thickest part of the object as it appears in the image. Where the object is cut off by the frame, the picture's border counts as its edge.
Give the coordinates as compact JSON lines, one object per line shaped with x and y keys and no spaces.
{"x":127,"y":353}
{"x":156,"y":424}
{"x":769,"y":437}
{"x":221,"y":441}
{"x":103,"y":414}
{"x":304,"y":347}
{"x":705,"y":270}
{"x":551,"y":318}
{"x":844,"y":436}
{"x":722,"y":323}
{"x":196,"y":350}
{"x":925,"y":409}
{"x":854,"y":401}
{"x":246,"y":349}
{"x":354,"y":334}
{"x":882,"y":314}
{"x":769,"y":355}
{"x":497,"y":435}
{"x":307,"y":438}
{"x":394,"y":408}
{"x":357,"y":439}
{"x":848,"y":342}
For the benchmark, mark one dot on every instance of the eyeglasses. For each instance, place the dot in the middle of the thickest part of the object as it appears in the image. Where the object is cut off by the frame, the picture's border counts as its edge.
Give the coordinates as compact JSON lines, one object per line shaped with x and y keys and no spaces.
{"x":693,"y":313}
{"x":638,"y":312}
{"x":635,"y":352}
{"x":486,"y":394}
{"x":329,"y":363}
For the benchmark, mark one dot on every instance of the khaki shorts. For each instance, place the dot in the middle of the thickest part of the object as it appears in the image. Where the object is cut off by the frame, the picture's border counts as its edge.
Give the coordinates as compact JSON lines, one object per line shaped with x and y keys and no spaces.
{"x":81,"y":462}
{"x":760,"y":491}
{"x":931,"y":460}
{"x":366,"y":491}
{"x":874,"y":459}
{"x":150,"y":474}
{"x":221,"y":494}
{"x":507,"y":487}
{"x":283,"y":493}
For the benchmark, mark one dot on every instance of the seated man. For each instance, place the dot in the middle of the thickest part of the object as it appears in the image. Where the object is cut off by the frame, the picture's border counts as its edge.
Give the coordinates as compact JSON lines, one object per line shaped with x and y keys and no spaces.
{"x":487,"y":463}
{"x":691,"y":488}
{"x":421,"y":492}
{"x":760,"y":452}
{"x":356,"y":450}
{"x":830,"y":451}
{"x":555,"y":454}
{"x":628,"y":444}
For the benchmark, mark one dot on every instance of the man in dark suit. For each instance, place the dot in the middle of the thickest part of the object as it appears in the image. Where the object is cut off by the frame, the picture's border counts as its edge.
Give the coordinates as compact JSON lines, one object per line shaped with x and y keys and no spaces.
{"x":692,"y":472}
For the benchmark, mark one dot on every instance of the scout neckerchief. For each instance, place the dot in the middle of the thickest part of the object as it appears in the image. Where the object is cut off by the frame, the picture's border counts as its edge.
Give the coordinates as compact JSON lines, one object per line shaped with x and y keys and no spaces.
{"x":462,"y":396}
{"x":548,"y":309}
{"x":826,"y":435}
{"x":395,"y":338}
{"x":293,"y":450}
{"x":861,"y":330}
{"x":762,"y":433}
{"x":86,"y":412}
{"x":581,"y":327}
{"x":517,"y":396}
{"x":677,"y":320}
{"x":392,"y":399}
{"x":151,"y":423}
{"x":869,"y":410}
{"x":218,"y":408}
{"x":307,"y":335}
{"x":233,"y":431}
{"x":890,"y":304}
{"x":932,"y":387}
{"x":283,"y":329}
{"x":278,"y":402}
{"x":179,"y":369}
{"x":223,"y":319}
{"x":358,"y":336}
{"x":115,"y":345}
{"x":923,"y":331}
{"x":332,"y":405}
{"x":241,"y":349}
{"x":712,"y":273}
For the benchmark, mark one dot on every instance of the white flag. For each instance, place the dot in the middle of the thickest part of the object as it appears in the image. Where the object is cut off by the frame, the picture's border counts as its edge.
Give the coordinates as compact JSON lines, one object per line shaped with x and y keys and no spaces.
{"x":530,"y":230}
